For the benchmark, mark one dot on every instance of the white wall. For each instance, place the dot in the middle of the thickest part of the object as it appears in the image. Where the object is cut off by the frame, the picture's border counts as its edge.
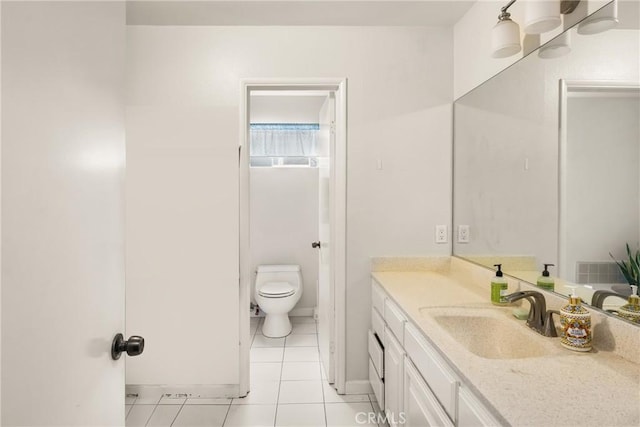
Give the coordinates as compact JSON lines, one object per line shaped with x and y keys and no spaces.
{"x":473,"y":63}
{"x":603,"y":148}
{"x":285,"y":109}
{"x":284,"y":222}
{"x":182,"y":244}
{"x":62,"y":212}
{"x":399,"y":109}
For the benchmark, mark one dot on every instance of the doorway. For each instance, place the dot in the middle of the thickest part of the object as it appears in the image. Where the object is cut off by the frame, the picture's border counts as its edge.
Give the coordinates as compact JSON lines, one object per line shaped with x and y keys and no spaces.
{"x":331,"y":265}
{"x":599,"y":182}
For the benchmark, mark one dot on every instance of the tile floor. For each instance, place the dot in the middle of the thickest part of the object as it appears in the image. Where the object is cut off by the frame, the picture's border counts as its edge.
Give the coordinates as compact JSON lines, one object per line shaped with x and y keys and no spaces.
{"x":288,"y":388}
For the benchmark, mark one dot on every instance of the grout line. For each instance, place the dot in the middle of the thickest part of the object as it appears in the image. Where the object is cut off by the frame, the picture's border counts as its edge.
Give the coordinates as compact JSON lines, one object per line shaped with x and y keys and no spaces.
{"x":226,"y":415}
{"x":374,"y":411}
{"x":322,"y":380}
{"x":178,"y":413}
{"x":152,"y":412}
{"x":126,"y":415}
{"x":275,"y":418}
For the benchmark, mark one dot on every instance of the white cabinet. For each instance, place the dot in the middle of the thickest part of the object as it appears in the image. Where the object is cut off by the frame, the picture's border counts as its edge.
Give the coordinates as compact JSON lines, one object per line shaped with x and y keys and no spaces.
{"x":433,"y":368}
{"x":393,"y":379}
{"x":376,"y":343}
{"x":472,"y":413}
{"x":413,"y":382}
{"x":376,"y":384}
{"x":377,"y":325}
{"x":421,"y":408}
{"x":376,"y":354}
{"x":395,"y":319}
{"x":378,"y":298}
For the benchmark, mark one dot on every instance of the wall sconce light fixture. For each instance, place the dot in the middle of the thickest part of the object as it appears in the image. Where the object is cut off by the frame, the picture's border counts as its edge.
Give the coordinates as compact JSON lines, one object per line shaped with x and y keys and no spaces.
{"x":557,"y":47}
{"x":505,"y":36}
{"x":541,"y":16}
{"x":603,"y":20}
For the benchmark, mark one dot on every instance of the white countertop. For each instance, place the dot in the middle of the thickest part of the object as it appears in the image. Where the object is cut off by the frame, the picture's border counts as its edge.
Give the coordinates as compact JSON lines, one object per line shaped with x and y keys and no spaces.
{"x":562,"y":388}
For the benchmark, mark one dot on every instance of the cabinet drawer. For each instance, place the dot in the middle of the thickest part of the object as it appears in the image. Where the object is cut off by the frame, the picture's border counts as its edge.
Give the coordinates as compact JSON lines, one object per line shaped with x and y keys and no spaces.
{"x":376,"y":384}
{"x":395,"y":319}
{"x":472,"y":413}
{"x":377,"y":324}
{"x":376,"y":353}
{"x":436,"y":372}
{"x":378,"y":297}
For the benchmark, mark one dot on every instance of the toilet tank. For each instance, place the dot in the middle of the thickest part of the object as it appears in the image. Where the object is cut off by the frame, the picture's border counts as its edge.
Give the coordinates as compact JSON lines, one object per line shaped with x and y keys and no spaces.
{"x":280,"y":272}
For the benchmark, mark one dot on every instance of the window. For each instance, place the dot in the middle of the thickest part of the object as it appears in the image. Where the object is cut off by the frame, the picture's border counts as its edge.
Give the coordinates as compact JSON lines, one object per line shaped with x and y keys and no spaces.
{"x":283,"y":144}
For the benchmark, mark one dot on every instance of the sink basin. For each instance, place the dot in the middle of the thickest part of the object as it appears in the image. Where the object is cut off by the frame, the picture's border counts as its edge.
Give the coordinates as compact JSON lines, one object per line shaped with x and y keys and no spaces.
{"x":489,"y":333}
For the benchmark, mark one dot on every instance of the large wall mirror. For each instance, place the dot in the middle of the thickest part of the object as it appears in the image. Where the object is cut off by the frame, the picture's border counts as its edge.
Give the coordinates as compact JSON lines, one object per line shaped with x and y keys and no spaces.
{"x":547,"y":161}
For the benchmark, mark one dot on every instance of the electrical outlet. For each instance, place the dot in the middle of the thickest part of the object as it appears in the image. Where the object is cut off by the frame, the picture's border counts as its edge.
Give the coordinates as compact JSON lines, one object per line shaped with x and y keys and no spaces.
{"x":441,"y":234}
{"x":463,"y":234}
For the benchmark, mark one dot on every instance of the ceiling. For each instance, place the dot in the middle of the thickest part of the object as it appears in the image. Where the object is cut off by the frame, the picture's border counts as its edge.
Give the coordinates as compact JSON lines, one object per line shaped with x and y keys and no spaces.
{"x":297,"y":12}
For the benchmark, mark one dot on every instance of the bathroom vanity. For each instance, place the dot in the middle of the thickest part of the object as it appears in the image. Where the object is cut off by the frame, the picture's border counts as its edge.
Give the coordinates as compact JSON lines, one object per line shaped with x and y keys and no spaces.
{"x":442,"y":354}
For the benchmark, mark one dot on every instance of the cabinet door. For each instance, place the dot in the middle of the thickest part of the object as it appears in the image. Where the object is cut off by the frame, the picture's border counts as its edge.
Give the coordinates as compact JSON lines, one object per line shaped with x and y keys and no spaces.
{"x":421,"y":408}
{"x":433,"y":368}
{"x":394,"y":372}
{"x":472,"y":413}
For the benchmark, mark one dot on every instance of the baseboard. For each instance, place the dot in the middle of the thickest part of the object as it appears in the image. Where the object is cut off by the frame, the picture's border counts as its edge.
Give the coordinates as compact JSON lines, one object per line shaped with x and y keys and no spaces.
{"x":216,"y":391}
{"x":358,"y":387}
{"x":307,"y":312}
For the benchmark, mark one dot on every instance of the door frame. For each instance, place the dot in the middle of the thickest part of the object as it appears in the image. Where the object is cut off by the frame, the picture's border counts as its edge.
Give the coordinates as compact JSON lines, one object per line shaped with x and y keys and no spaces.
{"x":567,"y":87}
{"x":338,"y":259}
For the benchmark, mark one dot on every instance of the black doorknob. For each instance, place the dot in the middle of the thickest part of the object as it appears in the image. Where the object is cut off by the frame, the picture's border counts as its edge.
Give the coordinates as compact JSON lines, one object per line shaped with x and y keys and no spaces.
{"x":315,"y":244}
{"x":133,"y":346}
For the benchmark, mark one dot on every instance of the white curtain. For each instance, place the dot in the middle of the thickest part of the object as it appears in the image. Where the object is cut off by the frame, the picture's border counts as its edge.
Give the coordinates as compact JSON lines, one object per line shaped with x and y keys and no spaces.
{"x":284,"y":140}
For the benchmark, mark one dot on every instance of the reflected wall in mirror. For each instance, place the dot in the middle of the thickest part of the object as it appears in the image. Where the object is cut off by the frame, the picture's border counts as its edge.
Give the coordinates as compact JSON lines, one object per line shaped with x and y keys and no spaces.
{"x":547,"y":160}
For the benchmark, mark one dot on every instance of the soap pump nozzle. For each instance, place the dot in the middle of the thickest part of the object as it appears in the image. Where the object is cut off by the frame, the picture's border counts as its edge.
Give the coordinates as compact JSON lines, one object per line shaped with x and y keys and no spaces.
{"x":545,"y":273}
{"x":574,"y":299}
{"x":499,"y":272}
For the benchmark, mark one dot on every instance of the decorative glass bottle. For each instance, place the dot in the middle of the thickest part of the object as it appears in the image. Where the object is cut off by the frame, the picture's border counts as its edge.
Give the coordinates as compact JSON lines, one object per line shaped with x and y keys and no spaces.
{"x":576,"y":325}
{"x":631,"y":310}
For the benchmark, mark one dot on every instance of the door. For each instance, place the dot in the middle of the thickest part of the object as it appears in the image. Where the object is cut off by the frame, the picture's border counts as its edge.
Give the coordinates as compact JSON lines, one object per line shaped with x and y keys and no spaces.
{"x":325,"y":269}
{"x":63,"y":159}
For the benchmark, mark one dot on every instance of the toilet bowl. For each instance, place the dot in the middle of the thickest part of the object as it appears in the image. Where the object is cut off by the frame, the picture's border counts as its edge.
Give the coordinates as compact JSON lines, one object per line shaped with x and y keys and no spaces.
{"x":278,"y":288}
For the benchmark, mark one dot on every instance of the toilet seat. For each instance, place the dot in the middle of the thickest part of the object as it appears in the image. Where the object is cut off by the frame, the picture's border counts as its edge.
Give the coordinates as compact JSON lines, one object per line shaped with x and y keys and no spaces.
{"x":276,"y":290}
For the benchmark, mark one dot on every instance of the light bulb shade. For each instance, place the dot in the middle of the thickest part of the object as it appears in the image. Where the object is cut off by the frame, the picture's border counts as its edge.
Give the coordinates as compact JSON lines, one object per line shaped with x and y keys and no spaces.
{"x":603,"y":20}
{"x":557,"y":47}
{"x":505,"y":39}
{"x":541,"y":16}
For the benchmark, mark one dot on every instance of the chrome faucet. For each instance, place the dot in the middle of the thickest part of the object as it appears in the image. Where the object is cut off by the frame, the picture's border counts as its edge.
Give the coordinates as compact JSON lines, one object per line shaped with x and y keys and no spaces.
{"x":538,"y":316}
{"x":597,"y":300}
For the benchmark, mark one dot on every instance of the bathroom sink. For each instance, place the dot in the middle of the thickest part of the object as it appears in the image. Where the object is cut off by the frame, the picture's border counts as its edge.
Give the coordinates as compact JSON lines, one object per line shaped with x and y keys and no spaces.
{"x":489,"y":333}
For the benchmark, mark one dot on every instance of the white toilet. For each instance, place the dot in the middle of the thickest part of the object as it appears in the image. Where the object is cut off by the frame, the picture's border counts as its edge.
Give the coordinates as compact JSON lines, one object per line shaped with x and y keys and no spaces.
{"x":278,"y":289}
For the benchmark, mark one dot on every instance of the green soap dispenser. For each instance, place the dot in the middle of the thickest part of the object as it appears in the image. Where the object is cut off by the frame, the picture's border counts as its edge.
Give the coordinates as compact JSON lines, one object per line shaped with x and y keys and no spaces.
{"x":498,"y":287}
{"x":545,"y":281}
